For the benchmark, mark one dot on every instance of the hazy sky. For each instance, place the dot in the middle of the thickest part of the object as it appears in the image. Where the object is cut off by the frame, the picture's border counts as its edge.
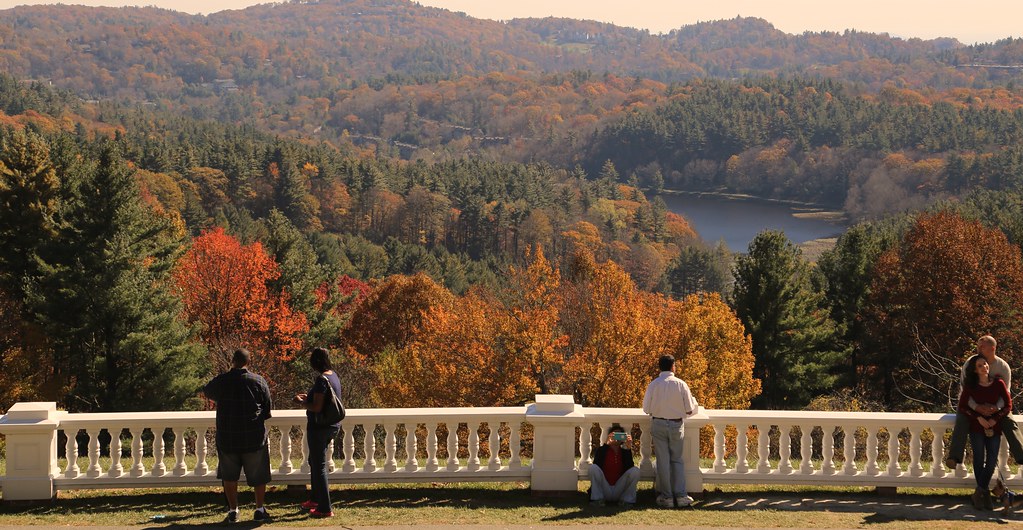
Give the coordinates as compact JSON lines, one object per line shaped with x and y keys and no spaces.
{"x":967,"y":21}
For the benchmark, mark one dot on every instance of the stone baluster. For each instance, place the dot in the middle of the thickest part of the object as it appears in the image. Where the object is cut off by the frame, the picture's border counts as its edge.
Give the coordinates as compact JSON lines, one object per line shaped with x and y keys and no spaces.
{"x":719,"y":448}
{"x":94,"y":468}
{"x":894,"y":470}
{"x":741,"y":448}
{"x":369,"y":444}
{"x":159,"y":469}
{"x":515,"y":439}
{"x":286,"y":466}
{"x":605,"y":431}
{"x":201,"y":467}
{"x":937,"y":454}
{"x":432,"y":464}
{"x":180,"y":466}
{"x":916,"y":469}
{"x":137,"y":467}
{"x":849,"y":449}
{"x":828,"y":449}
{"x":349,"y":445}
{"x":411,"y":447}
{"x":872,"y":452}
{"x":305,"y":450}
{"x":806,"y":450}
{"x":785,"y":449}
{"x":646,"y":464}
{"x":71,"y":451}
{"x":331,"y":466}
{"x":452,"y":447}
{"x":474,"y":445}
{"x":390,"y":447}
{"x":494,"y":463}
{"x":763,"y":450}
{"x":585,"y":447}
{"x":115,"y":469}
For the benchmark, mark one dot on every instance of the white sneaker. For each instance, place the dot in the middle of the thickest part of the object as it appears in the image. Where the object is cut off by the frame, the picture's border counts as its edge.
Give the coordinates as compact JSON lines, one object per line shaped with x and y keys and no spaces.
{"x":665,"y":502}
{"x":683,"y":500}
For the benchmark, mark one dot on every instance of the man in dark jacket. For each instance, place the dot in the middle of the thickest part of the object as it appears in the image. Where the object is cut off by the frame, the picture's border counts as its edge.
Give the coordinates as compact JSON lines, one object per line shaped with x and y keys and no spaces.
{"x":613,"y":476}
{"x":243,"y":406}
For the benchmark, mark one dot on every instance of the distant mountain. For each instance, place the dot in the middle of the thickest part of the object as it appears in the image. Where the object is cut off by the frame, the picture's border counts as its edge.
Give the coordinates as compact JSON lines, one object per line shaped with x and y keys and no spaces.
{"x":314,"y":47}
{"x":404,"y":80}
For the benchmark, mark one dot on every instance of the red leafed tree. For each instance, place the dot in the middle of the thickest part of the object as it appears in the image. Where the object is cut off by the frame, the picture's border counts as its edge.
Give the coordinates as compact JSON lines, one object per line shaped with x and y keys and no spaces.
{"x":224,"y":286}
{"x":948,"y":282}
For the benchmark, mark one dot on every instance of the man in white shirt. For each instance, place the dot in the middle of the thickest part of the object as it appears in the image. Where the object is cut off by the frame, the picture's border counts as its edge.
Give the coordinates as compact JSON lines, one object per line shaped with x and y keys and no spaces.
{"x":668,"y":401}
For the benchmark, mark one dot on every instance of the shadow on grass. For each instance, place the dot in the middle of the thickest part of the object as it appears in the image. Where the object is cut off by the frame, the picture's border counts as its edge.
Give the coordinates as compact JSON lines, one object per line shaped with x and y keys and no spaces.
{"x":202,"y":508}
{"x":206,"y":508}
{"x":877,"y":509}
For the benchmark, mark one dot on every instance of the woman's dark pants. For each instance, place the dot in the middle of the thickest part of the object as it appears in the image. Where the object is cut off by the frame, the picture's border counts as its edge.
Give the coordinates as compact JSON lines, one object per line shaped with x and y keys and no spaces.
{"x":319,"y":443}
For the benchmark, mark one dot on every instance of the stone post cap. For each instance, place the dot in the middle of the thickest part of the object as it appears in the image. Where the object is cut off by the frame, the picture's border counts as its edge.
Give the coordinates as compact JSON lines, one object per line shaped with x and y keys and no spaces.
{"x":27,"y":412}
{"x":553,"y":405}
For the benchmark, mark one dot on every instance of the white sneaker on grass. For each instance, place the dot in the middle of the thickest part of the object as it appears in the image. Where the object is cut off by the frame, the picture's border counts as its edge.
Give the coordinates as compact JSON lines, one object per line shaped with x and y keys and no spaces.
{"x":682,"y":501}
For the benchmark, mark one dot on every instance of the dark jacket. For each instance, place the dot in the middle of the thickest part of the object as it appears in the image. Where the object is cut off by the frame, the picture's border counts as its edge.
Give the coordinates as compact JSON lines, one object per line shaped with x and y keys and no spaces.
{"x":598,"y":458}
{"x":243,"y":405}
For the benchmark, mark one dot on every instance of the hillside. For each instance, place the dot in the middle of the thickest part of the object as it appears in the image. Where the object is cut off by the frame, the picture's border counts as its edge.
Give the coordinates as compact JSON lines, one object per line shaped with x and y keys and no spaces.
{"x":412,"y":82}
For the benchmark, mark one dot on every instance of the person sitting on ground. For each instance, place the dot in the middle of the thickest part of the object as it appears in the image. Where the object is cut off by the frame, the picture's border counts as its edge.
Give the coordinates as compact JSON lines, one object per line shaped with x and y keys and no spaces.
{"x":613,"y":476}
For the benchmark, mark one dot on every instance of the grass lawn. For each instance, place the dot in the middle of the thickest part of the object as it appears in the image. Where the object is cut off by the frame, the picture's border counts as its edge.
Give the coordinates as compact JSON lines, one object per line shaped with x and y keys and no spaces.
{"x":507,"y":504}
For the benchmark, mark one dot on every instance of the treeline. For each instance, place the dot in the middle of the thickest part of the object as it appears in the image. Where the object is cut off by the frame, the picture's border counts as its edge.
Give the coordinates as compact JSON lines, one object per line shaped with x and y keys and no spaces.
{"x":787,"y":138}
{"x":456,"y":219}
{"x":426,"y":83}
{"x":112,"y":301}
{"x":813,"y":141}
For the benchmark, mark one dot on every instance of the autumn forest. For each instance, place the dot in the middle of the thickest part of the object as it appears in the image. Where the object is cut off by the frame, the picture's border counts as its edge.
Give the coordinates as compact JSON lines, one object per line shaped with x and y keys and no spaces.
{"x":468,"y":212}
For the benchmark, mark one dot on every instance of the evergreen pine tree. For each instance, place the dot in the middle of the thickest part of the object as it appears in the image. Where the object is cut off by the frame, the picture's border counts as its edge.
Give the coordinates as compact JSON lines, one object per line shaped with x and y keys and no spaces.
{"x":301,"y":276}
{"x":105,"y":300}
{"x":29,"y":190}
{"x":775,"y":298}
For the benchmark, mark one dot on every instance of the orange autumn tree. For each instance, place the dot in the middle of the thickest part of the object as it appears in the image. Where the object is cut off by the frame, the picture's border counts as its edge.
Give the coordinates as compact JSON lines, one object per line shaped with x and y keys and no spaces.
{"x":484,"y":348}
{"x":597,"y":336}
{"x":387,"y":318}
{"x":224,"y":288}
{"x":613,"y":336}
{"x":715,"y":351}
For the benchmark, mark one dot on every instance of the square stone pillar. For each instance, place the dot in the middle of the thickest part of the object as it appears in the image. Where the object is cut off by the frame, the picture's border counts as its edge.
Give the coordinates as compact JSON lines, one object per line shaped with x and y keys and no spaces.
{"x":31,"y":431}
{"x":691,"y":457}
{"x":554,"y":419}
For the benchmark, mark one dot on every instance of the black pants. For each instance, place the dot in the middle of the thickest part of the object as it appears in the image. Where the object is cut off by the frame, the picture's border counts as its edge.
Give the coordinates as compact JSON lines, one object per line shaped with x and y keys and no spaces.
{"x":319,"y":443}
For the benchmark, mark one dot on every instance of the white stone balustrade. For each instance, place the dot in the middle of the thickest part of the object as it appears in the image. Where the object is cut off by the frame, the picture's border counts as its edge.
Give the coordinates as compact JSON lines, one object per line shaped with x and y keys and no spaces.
{"x":465,"y":445}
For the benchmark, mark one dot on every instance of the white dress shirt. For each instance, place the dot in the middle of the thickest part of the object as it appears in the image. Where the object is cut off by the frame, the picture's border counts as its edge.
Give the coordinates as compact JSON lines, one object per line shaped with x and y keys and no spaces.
{"x":668,"y":397}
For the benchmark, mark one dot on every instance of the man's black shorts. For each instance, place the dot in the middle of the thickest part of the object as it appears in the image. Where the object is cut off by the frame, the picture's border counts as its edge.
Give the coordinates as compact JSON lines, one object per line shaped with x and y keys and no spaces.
{"x":255,"y":463}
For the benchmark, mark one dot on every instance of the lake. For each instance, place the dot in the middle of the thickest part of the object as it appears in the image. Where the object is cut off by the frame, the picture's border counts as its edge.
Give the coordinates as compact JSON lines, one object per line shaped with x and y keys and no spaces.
{"x":737,"y":220}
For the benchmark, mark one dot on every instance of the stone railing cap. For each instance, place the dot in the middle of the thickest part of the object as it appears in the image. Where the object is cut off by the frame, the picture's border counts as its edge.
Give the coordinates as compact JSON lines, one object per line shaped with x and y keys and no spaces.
{"x":31,"y":411}
{"x":553,"y":404}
